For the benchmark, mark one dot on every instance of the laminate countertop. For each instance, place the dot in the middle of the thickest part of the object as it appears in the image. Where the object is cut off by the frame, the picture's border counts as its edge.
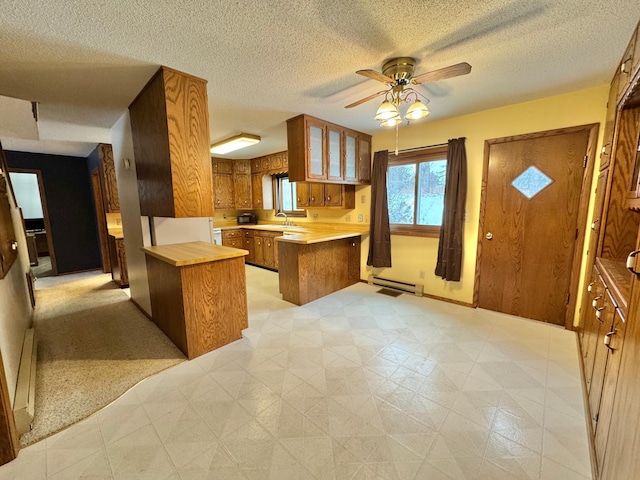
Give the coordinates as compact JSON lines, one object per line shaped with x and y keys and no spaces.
{"x":193,"y":253}
{"x":316,"y":237}
{"x":309,"y":233}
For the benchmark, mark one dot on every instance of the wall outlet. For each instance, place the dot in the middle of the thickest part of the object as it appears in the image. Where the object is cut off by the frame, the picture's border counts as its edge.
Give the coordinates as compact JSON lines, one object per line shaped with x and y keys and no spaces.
{"x":360,"y":217}
{"x":363,"y":199}
{"x":347,"y":218}
{"x":421,"y":274}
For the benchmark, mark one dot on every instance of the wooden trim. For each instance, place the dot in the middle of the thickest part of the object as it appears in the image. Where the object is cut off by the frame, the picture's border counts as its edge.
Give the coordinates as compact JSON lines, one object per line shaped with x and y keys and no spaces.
{"x":583,"y":207}
{"x":449,"y":300}
{"x":142,"y":310}
{"x":9,"y":445}
{"x":101,"y":219}
{"x":587,"y":410}
{"x":415,"y":230}
{"x":45,"y":211}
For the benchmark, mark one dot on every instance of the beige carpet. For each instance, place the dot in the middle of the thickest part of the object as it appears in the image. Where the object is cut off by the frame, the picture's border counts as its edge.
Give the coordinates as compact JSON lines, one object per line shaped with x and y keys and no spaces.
{"x":93,"y":345}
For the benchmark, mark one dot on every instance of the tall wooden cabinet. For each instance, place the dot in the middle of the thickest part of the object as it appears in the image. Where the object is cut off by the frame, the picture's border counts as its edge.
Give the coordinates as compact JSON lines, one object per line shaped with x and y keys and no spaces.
{"x":609,"y":330}
{"x":170,"y":126}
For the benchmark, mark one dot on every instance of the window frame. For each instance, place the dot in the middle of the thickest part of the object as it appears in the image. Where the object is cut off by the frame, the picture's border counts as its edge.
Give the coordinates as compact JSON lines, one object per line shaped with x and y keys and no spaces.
{"x":415,"y":157}
{"x":277,"y":201}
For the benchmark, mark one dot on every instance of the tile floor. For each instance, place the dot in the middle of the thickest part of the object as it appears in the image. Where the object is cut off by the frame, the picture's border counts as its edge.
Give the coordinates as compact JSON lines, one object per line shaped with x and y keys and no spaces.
{"x":356,"y":385}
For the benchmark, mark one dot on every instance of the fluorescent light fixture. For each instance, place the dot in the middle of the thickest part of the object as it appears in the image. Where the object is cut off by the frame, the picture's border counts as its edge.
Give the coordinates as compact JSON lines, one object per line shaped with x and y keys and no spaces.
{"x":234,"y":143}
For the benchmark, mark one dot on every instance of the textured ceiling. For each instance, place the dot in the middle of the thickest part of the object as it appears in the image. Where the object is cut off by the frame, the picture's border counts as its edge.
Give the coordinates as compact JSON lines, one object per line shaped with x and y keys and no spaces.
{"x":267,"y":61}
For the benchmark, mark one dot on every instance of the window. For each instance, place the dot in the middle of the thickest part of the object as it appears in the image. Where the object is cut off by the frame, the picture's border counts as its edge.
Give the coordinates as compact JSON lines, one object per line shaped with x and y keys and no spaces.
{"x":286,"y":196}
{"x":415,"y":191}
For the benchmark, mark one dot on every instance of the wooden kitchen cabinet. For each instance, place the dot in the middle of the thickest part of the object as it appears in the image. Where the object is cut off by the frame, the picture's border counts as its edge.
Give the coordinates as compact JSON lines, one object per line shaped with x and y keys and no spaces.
{"x":8,"y":242}
{"x":320,"y":151}
{"x":118,"y":258}
{"x":170,"y":129}
{"x":264,"y":247}
{"x":323,"y":195}
{"x":256,"y":190}
{"x":242,"y":185}
{"x":233,"y":238}
{"x":249,"y":245}
{"x":109,"y":184}
{"x":223,"y":188}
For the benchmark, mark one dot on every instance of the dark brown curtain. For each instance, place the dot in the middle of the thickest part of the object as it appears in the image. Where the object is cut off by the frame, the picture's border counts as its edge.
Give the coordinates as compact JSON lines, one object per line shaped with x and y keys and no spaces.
{"x":449,"y":263}
{"x":379,"y":231}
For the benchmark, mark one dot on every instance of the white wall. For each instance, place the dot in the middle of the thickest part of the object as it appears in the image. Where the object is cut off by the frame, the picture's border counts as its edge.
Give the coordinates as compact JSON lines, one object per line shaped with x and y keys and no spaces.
{"x":122,"y":143}
{"x":15,"y":307}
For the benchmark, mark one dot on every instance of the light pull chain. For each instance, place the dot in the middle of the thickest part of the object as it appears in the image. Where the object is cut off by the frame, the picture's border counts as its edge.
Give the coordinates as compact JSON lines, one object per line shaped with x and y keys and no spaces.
{"x":396,"y":139}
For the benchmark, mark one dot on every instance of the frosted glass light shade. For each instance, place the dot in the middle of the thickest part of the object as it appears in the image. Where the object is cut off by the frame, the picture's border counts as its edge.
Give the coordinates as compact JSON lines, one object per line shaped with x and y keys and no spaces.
{"x":387,"y":111}
{"x":416,"y":111}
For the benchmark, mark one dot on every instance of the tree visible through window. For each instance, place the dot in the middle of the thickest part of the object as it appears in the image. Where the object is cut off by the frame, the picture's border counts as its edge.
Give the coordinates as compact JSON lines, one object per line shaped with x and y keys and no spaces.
{"x":286,"y":197}
{"x":415,"y":191}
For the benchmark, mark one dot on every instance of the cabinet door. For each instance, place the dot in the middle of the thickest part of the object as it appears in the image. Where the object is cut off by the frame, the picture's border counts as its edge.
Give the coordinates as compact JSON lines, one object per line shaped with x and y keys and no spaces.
{"x":268,"y":251}
{"x":332,"y":195}
{"x":315,"y":133}
{"x":616,"y":339}
{"x":592,"y":327}
{"x":334,"y":150}
{"x":259,"y":249}
{"x":256,"y":190}
{"x":249,"y":245}
{"x":626,"y":66}
{"x":276,"y":257}
{"x":364,"y":158}
{"x":256,"y":165}
{"x":243,"y":193}
{"x":610,"y":120}
{"x":242,"y":166}
{"x":302,"y":194}
{"x":316,"y":195}
{"x":221,"y":165}
{"x":223,"y":191}
{"x":285,"y":159}
{"x":8,"y":242}
{"x":276,"y":161}
{"x":350,"y":157}
{"x":601,"y":357}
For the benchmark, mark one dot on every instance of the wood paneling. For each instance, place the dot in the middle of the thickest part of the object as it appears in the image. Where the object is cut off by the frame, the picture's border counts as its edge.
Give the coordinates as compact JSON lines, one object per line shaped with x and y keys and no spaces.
{"x":102,"y":220}
{"x":170,"y":126}
{"x":621,"y":227}
{"x":308,"y":272}
{"x":215,"y":304}
{"x":119,"y":272}
{"x":109,"y":182}
{"x":167,"y":309}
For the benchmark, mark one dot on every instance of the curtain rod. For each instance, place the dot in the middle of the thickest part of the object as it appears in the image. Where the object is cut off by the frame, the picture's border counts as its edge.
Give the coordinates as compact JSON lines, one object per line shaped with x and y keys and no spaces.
{"x":423,"y":147}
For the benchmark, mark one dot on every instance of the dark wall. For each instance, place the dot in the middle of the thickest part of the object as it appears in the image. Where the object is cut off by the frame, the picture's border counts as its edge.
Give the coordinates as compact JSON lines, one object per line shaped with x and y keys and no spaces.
{"x":69,"y":198}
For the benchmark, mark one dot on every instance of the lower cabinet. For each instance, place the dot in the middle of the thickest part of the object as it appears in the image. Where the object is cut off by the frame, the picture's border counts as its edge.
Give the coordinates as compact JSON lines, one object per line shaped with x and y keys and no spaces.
{"x":118,"y":258}
{"x":601,"y":341}
{"x":233,"y":238}
{"x":249,"y":245}
{"x":260,"y":244}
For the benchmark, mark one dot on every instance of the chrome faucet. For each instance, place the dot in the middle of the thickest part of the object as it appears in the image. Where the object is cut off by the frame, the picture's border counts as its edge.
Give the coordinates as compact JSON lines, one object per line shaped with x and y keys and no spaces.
{"x":286,"y":220}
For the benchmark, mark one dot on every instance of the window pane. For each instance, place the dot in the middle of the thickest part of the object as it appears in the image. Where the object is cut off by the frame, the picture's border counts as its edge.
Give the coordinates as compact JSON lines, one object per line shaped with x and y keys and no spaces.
{"x":401,"y":184}
{"x":431,"y":181}
{"x":285,"y":188}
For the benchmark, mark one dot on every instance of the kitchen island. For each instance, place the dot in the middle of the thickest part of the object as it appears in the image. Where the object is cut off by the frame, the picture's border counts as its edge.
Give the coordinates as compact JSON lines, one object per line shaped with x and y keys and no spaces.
{"x":314,"y":264}
{"x":198,"y":294}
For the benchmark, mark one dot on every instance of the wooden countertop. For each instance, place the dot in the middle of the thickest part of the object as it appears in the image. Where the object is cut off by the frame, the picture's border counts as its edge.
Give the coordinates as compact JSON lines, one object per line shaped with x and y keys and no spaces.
{"x":316,"y":237}
{"x":116,"y":233}
{"x":193,"y":253}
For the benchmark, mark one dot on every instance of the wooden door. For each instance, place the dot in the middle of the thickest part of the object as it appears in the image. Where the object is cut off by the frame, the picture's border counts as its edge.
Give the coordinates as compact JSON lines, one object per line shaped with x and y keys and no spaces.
{"x":242,"y":188}
{"x":223,"y":190}
{"x":302,"y":194}
{"x":532,"y":199}
{"x":259,"y":249}
{"x":268,"y":251}
{"x":256,"y":190}
{"x":102,"y":220}
{"x":316,"y":195}
{"x":332,"y":195}
{"x":315,"y":133}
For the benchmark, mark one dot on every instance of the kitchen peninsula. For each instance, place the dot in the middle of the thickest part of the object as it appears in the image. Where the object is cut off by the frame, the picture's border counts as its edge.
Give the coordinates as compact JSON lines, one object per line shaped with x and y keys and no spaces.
{"x":198,"y":294}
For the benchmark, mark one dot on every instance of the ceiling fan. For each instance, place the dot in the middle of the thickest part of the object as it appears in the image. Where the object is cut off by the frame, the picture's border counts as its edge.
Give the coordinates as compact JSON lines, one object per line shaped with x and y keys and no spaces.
{"x":397,"y":73}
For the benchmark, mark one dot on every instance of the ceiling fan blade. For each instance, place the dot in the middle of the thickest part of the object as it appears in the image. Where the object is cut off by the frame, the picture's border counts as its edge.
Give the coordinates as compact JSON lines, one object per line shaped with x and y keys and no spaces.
{"x":447,"y":72}
{"x":365,"y":99}
{"x":375,"y":76}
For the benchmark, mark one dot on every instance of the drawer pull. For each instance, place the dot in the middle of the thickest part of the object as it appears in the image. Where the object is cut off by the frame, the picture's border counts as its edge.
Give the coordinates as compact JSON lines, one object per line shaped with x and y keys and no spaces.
{"x":631,"y":262}
{"x":607,"y":340}
{"x":594,"y":303}
{"x":599,"y":313}
{"x":590,"y":287}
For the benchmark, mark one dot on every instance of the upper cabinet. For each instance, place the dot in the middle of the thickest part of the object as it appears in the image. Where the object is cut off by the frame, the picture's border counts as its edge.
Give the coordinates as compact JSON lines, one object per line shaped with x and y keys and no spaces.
{"x":8,"y":243}
{"x":232,"y":184}
{"x":170,"y":127}
{"x":320,"y":151}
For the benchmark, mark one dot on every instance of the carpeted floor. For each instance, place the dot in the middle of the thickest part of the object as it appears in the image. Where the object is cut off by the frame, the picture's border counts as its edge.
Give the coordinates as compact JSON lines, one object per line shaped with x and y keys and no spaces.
{"x":93,"y":345}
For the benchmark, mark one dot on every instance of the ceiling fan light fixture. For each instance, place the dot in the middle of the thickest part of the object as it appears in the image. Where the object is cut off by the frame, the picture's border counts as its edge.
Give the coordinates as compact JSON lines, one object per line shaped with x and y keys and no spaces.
{"x":392,"y":122}
{"x":387,"y":111}
{"x":417,"y":111}
{"x":234,"y":143}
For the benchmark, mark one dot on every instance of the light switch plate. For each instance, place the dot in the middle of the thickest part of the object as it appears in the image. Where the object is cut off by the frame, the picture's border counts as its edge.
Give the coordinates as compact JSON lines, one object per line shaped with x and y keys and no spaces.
{"x":360,"y":217}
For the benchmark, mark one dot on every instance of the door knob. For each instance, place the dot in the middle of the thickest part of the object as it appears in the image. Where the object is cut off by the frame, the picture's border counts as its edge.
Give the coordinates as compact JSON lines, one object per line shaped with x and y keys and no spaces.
{"x":489,"y":236}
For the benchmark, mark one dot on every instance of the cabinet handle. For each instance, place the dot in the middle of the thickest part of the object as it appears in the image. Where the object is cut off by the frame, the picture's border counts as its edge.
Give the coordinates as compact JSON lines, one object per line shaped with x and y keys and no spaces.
{"x":594,"y":304}
{"x":313,"y":199}
{"x":623,"y":67}
{"x":590,"y":287}
{"x":607,"y":340}
{"x":599,"y":313}
{"x":631,"y":262}
{"x":329,"y":198}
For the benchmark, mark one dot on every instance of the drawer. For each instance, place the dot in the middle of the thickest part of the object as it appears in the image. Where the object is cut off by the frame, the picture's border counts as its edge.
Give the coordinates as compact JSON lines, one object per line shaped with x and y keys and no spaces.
{"x":231,"y":233}
{"x":233,"y":242}
{"x":249,"y":233}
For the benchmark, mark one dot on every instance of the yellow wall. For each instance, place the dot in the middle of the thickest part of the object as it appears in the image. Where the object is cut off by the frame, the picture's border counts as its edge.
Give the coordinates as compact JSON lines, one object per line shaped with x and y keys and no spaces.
{"x":410,"y":255}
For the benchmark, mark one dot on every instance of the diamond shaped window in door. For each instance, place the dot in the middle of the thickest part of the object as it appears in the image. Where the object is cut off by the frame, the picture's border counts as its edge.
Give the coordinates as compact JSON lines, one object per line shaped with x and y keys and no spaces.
{"x":531,"y":182}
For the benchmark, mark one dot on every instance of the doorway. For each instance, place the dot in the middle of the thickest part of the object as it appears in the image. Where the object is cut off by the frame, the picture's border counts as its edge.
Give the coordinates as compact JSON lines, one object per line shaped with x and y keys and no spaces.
{"x":534,"y":204}
{"x":30,"y":196}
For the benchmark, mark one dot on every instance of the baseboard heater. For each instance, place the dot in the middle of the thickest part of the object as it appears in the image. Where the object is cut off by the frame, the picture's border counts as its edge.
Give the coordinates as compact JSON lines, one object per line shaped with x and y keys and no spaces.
{"x":24,"y":402}
{"x":403,"y":287}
